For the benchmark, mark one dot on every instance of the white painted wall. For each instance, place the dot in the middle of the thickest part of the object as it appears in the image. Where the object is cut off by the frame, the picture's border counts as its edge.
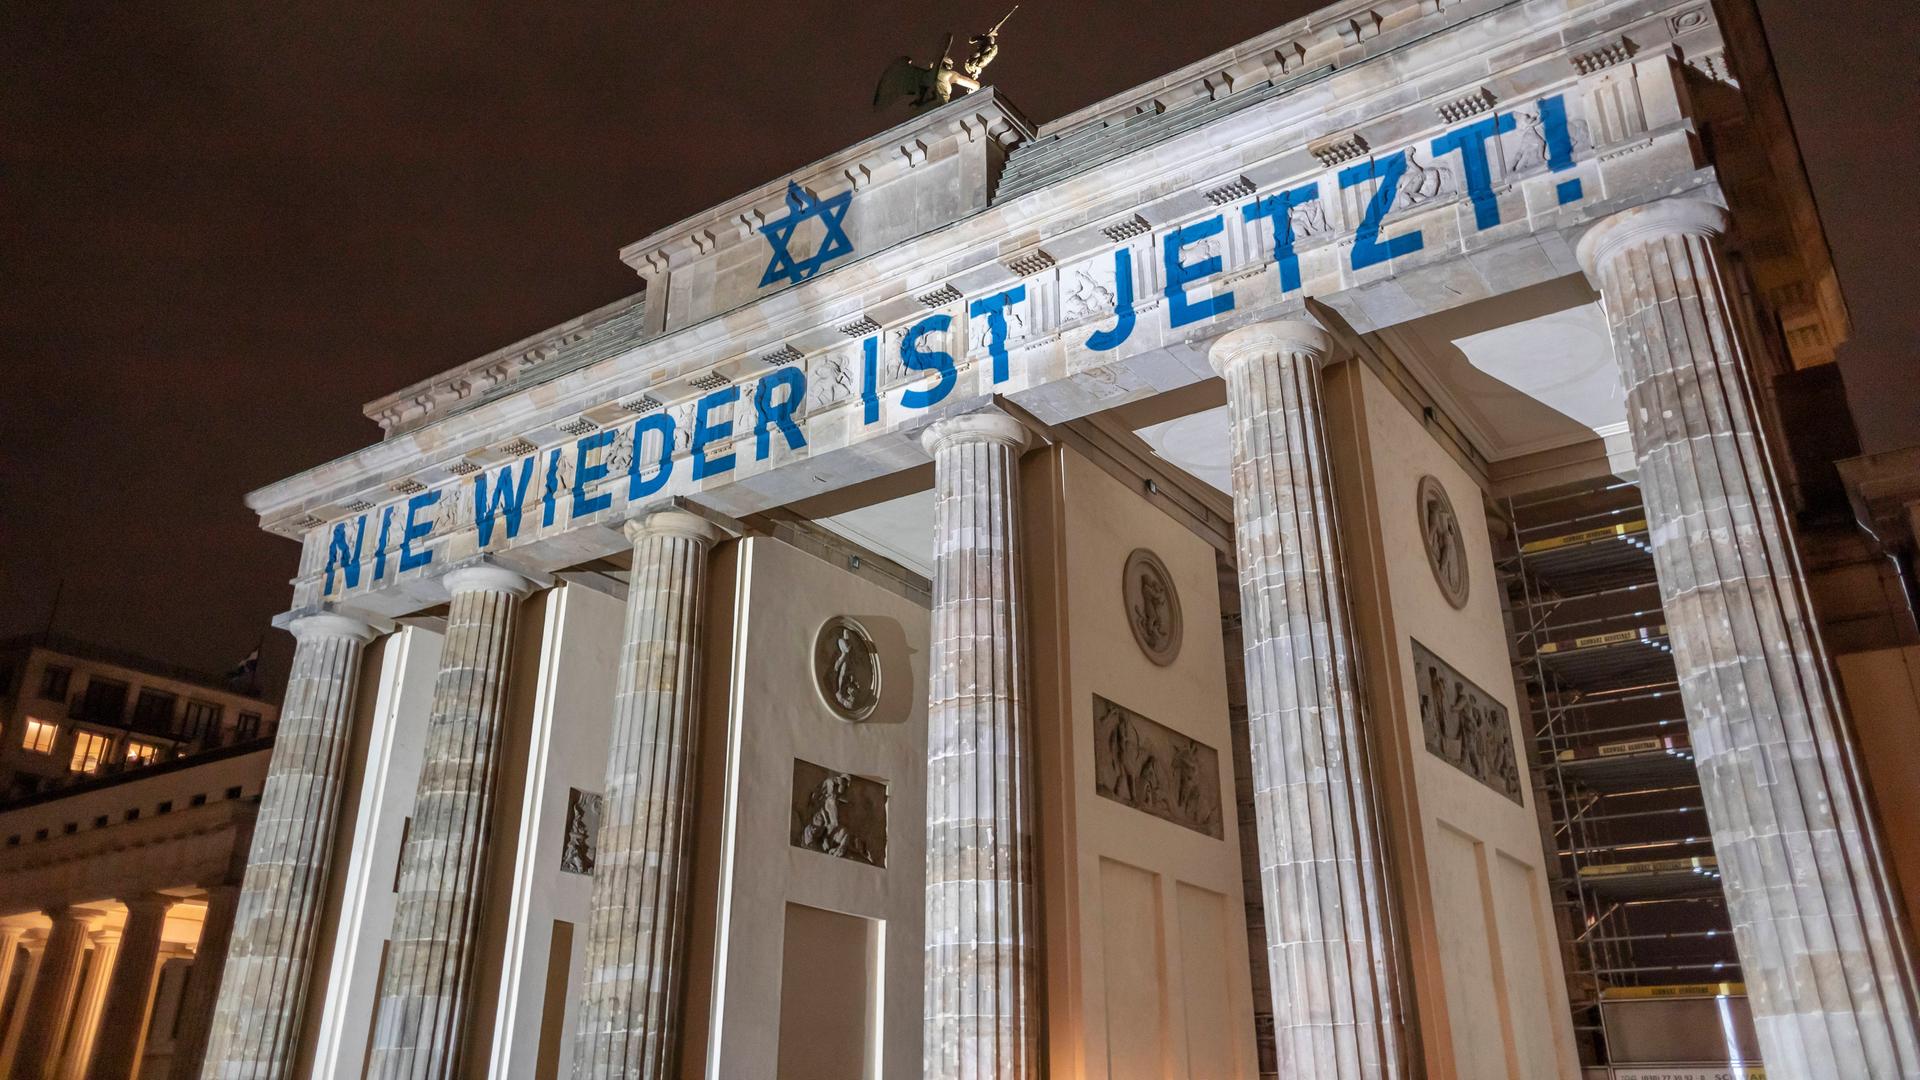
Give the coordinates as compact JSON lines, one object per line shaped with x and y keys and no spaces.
{"x":1146,"y":939}
{"x":774,"y":715}
{"x":571,"y":725}
{"x":370,"y":836}
{"x":1472,"y":874}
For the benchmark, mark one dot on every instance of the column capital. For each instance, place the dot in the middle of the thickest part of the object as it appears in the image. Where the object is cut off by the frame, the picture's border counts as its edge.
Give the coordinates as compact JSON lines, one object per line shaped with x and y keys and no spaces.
{"x":77,"y":914}
{"x":145,"y":902}
{"x":487,"y":577}
{"x":975,"y":427}
{"x":107,"y":935}
{"x":1668,"y":217}
{"x":675,"y":523}
{"x":1270,"y":338}
{"x":326,"y":624}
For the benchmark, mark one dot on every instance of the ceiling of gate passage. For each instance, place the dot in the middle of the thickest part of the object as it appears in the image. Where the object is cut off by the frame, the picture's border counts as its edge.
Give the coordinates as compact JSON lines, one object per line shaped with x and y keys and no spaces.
{"x":1520,"y":374}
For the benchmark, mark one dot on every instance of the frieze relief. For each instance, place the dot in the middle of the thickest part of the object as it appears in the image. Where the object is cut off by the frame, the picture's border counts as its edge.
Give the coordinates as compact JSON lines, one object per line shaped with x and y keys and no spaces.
{"x":620,"y":453}
{"x":1524,"y":149}
{"x":830,"y":380}
{"x":1087,"y":291}
{"x":838,"y":814}
{"x":1141,"y":763}
{"x":1423,"y":181}
{"x":1021,"y":317}
{"x":578,"y":845}
{"x":1465,"y":726}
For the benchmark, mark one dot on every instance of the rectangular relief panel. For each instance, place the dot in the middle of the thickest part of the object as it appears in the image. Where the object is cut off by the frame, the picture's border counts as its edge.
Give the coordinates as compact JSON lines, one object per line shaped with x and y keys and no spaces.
{"x":1465,"y":726}
{"x":1141,"y":763}
{"x":583,"y":832}
{"x":838,"y":814}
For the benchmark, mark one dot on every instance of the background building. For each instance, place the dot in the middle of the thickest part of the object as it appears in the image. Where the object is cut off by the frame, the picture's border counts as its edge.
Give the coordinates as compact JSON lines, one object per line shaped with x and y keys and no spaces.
{"x":135,"y":786}
{"x":75,"y":710}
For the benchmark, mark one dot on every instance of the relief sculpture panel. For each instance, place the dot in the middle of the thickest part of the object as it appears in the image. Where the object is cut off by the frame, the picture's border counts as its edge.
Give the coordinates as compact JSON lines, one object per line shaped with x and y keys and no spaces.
{"x":839,"y":814}
{"x":1465,"y":726}
{"x":583,"y":832}
{"x":1144,"y":764}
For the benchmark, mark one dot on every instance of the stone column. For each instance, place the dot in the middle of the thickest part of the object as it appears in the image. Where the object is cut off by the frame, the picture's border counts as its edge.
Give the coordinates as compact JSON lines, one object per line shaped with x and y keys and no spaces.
{"x":203,"y":980}
{"x":9,"y":952}
{"x":263,"y":990}
{"x":1828,"y":969}
{"x":1331,"y":950}
{"x":34,"y":950}
{"x":982,"y":1016}
{"x":123,"y":1022}
{"x":420,"y":1019}
{"x":636,"y":931}
{"x":47,"y":1010}
{"x":87,"y":1007}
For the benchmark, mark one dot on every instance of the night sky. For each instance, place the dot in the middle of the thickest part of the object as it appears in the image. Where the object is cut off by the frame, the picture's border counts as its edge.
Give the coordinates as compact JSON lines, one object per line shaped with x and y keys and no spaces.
{"x":226,"y":226}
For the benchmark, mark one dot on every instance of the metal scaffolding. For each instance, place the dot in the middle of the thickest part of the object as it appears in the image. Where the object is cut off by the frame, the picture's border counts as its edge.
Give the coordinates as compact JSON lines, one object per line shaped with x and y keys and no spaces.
{"x":1641,"y":911}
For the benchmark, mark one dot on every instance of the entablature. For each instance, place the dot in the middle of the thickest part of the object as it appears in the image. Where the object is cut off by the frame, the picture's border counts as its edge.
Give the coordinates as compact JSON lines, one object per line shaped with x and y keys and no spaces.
{"x":1456,"y":167}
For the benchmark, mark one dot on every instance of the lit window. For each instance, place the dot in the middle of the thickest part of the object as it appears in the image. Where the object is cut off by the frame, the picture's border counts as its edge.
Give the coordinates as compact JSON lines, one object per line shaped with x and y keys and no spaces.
{"x":40,"y":736}
{"x":89,"y":750}
{"x":142,"y":753}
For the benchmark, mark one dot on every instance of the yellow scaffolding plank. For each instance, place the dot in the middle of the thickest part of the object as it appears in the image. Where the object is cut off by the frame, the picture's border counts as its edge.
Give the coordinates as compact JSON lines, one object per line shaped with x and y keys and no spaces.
{"x":1586,"y":536}
{"x":1594,"y":641}
{"x":1721,"y":989}
{"x":1651,"y":866}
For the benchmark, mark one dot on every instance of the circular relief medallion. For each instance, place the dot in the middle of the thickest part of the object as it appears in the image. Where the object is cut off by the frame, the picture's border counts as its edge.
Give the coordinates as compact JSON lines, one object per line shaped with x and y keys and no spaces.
{"x":846,"y":668}
{"x":1153,"y":608}
{"x":1440,"y":535}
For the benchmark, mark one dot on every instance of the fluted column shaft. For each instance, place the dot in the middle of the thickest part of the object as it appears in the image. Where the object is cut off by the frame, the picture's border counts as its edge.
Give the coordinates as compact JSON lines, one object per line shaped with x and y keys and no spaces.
{"x":47,"y":1009}
{"x":88,"y":1006}
{"x":1330,"y":929}
{"x":982,"y":1017}
{"x":629,"y":1005}
{"x":35,"y":950}
{"x":420,"y":1018}
{"x":9,"y":951}
{"x":123,"y":1021}
{"x":264,"y":985}
{"x":1828,"y":969}
{"x":203,"y":980}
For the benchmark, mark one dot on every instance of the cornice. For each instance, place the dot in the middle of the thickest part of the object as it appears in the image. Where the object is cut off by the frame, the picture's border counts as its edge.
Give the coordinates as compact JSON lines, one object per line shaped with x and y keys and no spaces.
{"x":1342,"y":34}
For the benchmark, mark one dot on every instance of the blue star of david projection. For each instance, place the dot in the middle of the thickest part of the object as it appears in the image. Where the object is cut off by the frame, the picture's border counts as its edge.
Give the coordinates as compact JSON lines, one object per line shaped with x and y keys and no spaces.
{"x":800,"y":207}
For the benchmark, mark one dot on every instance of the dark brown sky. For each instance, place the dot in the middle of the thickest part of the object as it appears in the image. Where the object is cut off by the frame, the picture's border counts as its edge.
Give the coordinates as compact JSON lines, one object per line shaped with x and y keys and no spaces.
{"x":224,"y":226}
